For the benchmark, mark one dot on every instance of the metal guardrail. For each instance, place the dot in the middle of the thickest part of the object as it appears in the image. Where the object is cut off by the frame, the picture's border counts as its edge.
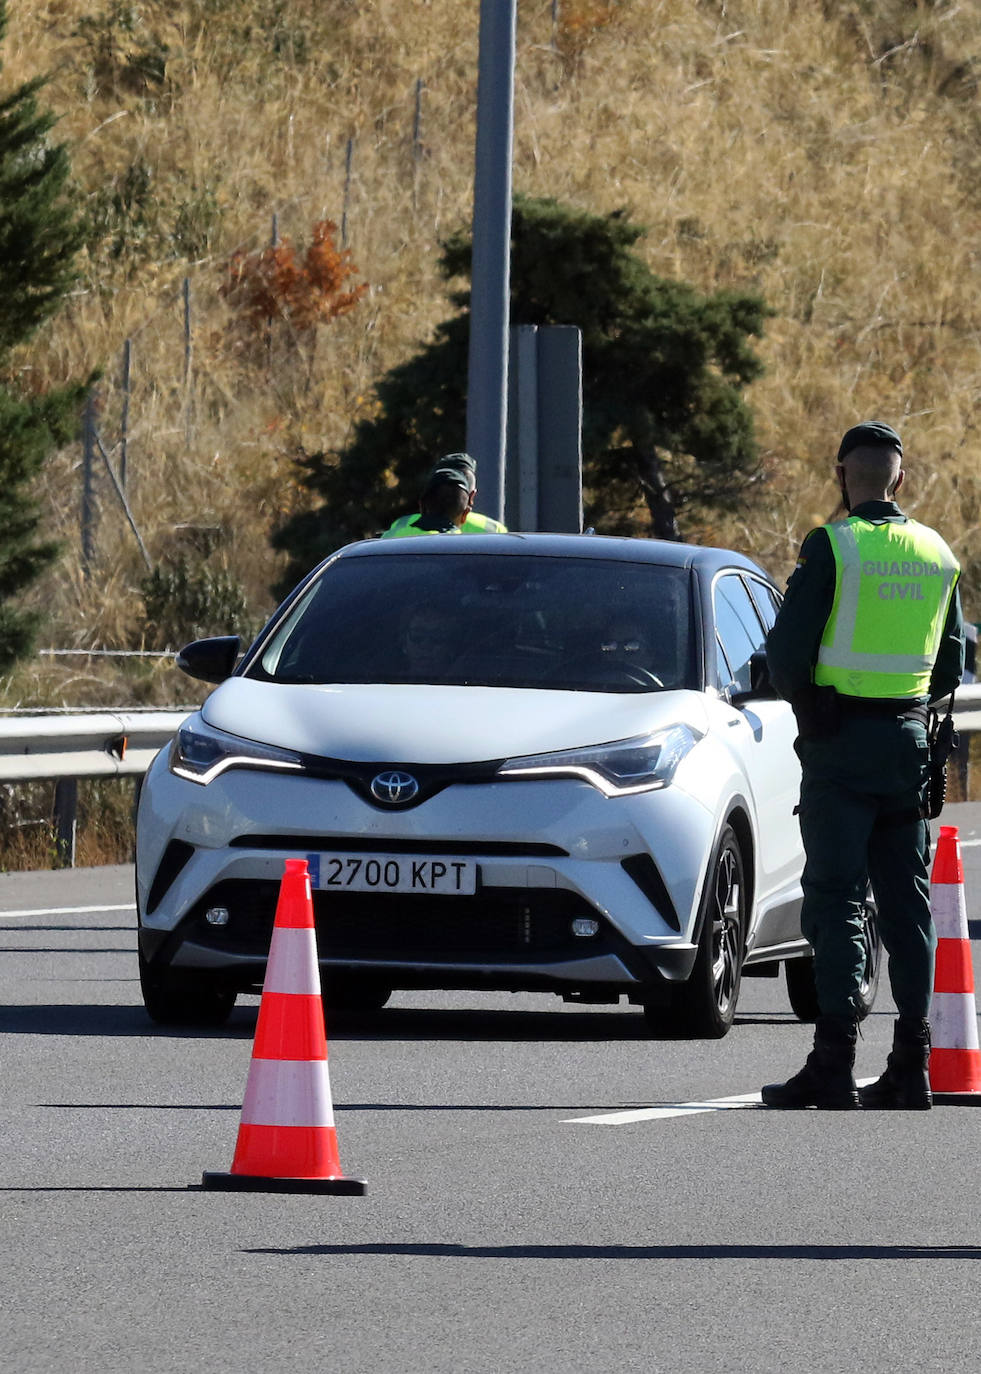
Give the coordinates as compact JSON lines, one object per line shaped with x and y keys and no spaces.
{"x":91,"y":744}
{"x":69,"y":746}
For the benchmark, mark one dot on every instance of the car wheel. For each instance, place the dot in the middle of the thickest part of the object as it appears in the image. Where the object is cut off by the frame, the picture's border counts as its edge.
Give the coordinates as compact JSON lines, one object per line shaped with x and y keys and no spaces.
{"x":174,"y":999}
{"x":707,"y":1003}
{"x":802,"y":989}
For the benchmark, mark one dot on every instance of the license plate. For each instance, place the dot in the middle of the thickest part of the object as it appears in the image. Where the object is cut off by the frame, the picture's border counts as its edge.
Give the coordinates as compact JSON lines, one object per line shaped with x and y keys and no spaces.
{"x":392,"y":873}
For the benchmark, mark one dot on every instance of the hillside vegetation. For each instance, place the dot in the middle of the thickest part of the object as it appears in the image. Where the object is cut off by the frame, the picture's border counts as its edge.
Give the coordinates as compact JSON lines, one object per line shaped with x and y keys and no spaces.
{"x":826,"y":154}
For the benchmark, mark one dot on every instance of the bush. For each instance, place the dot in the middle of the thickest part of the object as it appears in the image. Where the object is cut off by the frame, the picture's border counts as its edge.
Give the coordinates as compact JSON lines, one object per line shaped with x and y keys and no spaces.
{"x":185,"y":602}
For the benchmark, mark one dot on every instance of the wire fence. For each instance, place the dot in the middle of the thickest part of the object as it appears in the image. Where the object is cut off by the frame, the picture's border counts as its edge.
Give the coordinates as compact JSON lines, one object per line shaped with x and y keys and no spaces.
{"x":116,"y":424}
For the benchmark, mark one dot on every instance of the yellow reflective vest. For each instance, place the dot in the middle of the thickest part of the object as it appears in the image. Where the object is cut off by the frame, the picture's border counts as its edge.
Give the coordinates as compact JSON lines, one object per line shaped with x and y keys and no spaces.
{"x":403,"y":527}
{"x":893,"y":586}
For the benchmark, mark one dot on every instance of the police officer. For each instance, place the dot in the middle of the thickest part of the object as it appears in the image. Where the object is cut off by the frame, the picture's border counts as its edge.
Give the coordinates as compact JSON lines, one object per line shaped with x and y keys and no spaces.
{"x":447,"y":503}
{"x":870,"y":631}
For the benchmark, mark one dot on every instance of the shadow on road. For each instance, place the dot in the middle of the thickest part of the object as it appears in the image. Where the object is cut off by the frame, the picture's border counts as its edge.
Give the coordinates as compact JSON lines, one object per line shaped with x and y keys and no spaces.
{"x":641,"y":1252}
{"x":83,"y":1019}
{"x":393,"y":1024}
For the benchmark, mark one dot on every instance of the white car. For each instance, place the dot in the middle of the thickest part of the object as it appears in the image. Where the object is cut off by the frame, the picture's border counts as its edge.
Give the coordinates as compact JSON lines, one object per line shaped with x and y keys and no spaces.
{"x":514,"y":762}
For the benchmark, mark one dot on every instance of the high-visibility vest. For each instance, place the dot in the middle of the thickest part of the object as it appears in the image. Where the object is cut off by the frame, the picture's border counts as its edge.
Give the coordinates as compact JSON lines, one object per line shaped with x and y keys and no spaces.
{"x":474,"y":524}
{"x":403,"y":528}
{"x":893,"y":586}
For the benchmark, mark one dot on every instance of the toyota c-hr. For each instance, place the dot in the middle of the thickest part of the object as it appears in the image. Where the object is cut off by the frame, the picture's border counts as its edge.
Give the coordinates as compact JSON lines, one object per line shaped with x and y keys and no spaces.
{"x":543,"y":763}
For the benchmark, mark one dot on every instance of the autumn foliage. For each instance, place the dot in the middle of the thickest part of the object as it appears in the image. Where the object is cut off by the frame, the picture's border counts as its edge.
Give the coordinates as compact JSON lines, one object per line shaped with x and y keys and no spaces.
{"x":275,"y":285}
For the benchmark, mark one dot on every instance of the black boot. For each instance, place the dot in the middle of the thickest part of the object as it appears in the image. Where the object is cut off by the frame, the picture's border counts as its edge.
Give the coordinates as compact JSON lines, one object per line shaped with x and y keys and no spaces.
{"x":905,"y":1085}
{"x":826,"y":1079}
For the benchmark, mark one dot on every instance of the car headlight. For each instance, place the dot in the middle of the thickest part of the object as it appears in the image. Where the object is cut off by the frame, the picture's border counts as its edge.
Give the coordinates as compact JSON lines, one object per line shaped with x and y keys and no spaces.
{"x":199,"y":753}
{"x":629,"y":765}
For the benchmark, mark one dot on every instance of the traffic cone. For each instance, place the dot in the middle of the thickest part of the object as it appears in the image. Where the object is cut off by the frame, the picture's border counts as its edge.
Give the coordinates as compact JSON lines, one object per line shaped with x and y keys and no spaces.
{"x":287,"y":1142}
{"x":955,"y":1060}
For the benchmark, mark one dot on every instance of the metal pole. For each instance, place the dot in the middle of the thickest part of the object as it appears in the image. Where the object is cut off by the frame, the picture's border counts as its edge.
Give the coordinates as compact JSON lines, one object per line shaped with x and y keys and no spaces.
{"x":490,"y":278}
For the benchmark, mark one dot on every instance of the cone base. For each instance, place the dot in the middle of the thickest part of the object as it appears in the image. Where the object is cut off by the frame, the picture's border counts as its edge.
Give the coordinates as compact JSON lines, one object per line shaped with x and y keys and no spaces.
{"x":957,"y":1099}
{"x":256,"y":1183}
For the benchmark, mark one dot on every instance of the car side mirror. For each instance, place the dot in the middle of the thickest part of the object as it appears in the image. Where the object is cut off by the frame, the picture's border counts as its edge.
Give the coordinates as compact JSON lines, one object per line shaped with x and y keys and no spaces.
{"x":760,"y":686}
{"x":210,"y":660}
{"x":759,"y":675}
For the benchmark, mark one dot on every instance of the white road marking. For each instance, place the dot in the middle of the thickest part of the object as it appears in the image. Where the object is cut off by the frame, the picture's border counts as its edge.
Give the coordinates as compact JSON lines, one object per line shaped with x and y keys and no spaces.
{"x":65,"y":911}
{"x":718,"y":1104}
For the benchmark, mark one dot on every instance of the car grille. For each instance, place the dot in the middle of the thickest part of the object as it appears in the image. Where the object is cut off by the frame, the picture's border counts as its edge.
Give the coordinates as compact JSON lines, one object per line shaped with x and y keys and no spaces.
{"x":512,"y":926}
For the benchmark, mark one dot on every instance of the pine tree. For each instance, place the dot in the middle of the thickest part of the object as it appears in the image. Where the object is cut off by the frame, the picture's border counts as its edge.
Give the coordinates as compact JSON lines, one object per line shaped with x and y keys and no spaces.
{"x":666,"y":430}
{"x":39,"y":237}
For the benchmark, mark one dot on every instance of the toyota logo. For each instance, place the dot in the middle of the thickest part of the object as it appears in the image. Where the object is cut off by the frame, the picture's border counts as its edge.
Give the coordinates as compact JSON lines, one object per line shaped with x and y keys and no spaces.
{"x":394,"y":787}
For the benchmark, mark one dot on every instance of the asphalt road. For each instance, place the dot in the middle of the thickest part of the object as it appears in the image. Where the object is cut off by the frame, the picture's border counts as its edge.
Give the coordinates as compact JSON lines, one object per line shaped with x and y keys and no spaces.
{"x":503,"y":1229}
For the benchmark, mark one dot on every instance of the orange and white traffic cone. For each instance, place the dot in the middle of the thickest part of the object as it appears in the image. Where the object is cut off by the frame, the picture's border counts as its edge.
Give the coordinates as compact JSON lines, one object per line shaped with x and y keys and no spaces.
{"x":955,"y":1060}
{"x":287,"y":1142}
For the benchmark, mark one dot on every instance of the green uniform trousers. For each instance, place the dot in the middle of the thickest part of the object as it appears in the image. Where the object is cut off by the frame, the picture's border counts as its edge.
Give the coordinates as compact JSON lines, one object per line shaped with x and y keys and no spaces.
{"x":860,"y":790}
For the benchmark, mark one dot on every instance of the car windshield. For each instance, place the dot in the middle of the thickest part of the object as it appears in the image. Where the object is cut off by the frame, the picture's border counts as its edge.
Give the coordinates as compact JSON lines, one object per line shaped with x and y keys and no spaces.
{"x":469,"y":619}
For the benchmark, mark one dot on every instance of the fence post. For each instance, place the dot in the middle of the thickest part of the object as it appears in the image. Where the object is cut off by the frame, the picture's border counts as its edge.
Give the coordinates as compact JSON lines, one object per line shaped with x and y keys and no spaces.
{"x":65,"y":820}
{"x":188,"y":421}
{"x":88,"y":482}
{"x":124,"y":423}
{"x":348,"y":160}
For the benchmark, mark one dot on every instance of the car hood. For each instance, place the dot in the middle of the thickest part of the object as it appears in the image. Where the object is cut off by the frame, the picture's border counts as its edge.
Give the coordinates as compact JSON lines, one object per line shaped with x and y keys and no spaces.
{"x":416,"y":724}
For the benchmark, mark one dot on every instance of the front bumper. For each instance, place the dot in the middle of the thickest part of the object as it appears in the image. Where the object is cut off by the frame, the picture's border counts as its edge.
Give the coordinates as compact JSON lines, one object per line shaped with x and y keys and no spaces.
{"x":548,"y":853}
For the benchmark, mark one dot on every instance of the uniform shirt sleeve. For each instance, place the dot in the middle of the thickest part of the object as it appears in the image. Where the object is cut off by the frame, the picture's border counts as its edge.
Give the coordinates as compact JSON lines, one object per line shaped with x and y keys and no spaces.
{"x":792,"y":645}
{"x":949,"y":667}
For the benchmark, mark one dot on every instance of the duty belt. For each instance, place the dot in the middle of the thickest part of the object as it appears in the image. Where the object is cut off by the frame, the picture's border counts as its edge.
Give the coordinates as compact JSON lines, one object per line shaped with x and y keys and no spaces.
{"x":896,"y":707}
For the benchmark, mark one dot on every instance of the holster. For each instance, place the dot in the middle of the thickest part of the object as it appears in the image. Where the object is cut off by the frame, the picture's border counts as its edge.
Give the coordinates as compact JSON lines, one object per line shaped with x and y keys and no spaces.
{"x":943,"y":740}
{"x":818,"y":712}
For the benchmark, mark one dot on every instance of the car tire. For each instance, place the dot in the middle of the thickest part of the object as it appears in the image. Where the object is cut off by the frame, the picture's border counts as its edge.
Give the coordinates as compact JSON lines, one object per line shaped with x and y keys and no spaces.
{"x":802,"y":988}
{"x":705,"y":1005}
{"x":174,"y":999}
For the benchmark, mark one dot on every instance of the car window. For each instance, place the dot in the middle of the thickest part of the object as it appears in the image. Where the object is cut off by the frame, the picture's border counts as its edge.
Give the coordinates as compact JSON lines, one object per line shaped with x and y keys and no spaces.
{"x":739,"y":631}
{"x":766,"y":600}
{"x":575,"y":624}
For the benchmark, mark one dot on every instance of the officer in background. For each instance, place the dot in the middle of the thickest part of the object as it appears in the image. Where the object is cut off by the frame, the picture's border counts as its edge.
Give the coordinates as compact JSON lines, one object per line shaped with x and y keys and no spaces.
{"x":447,"y":503}
{"x":870,"y":631}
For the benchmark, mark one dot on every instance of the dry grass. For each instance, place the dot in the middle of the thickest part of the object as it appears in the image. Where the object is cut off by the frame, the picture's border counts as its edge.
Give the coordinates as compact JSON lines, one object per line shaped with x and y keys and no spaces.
{"x":824,"y":154}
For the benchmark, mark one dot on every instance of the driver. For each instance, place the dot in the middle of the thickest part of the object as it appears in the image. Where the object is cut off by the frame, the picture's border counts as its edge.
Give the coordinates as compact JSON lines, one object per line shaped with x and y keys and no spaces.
{"x":626,"y":643}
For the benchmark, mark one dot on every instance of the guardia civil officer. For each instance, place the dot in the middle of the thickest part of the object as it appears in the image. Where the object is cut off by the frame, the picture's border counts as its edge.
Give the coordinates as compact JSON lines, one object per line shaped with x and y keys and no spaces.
{"x":870,"y":631}
{"x":446,"y":506}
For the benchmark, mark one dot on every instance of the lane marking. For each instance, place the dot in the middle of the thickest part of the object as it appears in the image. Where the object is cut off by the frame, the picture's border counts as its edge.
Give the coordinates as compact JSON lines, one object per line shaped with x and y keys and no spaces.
{"x":65,"y":911}
{"x":718,"y":1104}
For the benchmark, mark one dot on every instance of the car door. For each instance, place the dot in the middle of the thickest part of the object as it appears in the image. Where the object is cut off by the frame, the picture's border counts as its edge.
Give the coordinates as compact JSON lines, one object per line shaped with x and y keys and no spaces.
{"x":761,"y":732}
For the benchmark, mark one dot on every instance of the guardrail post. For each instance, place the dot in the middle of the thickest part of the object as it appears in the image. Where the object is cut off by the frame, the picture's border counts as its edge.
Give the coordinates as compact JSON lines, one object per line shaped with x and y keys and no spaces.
{"x":65,"y":819}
